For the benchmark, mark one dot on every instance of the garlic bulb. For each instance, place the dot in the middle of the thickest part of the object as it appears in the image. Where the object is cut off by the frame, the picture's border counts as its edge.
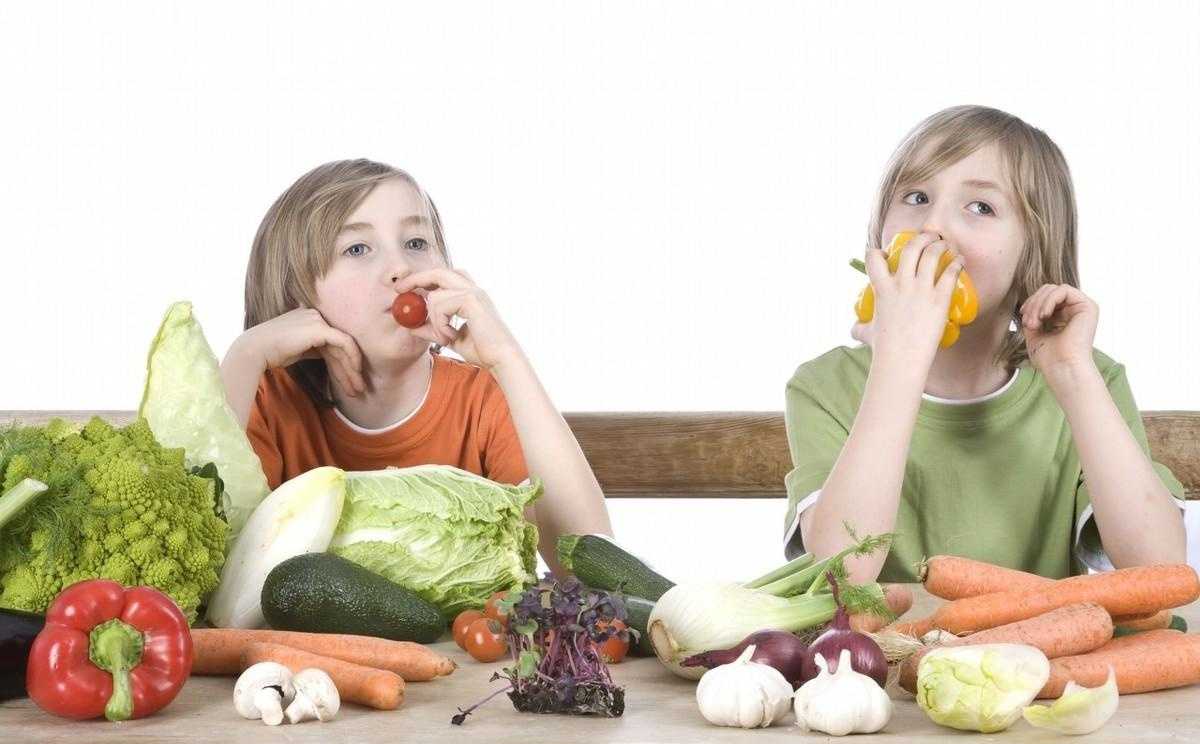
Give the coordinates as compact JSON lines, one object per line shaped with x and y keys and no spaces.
{"x":841,"y":703}
{"x":743,"y":693}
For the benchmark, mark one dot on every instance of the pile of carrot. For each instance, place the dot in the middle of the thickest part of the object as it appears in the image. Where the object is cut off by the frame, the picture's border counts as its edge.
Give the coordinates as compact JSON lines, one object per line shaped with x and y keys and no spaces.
{"x":952,"y":577}
{"x":1070,"y":620}
{"x":369,"y":671}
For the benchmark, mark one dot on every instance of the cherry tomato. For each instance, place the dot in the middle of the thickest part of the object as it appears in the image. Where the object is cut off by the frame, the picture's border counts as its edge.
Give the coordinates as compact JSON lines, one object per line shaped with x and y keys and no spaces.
{"x":464,"y":619}
{"x":485,"y":640}
{"x":614,"y":649}
{"x":491,"y":608}
{"x":409,"y":310}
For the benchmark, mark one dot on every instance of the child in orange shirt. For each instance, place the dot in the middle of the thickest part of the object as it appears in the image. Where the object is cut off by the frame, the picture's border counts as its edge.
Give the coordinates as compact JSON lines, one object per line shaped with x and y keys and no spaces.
{"x":324,"y":375}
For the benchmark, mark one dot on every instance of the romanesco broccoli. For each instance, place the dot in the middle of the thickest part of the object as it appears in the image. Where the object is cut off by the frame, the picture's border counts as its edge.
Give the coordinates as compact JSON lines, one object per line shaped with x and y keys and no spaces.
{"x":118,"y":506}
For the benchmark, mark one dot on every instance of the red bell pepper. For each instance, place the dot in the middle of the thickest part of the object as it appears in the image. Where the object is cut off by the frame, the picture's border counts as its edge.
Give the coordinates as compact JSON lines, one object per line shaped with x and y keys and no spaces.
{"x":109,"y":651}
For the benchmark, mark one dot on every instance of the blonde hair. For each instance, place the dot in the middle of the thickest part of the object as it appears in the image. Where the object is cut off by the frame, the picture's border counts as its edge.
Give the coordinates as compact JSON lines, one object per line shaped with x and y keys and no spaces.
{"x":1039,"y":179}
{"x":294,"y":247}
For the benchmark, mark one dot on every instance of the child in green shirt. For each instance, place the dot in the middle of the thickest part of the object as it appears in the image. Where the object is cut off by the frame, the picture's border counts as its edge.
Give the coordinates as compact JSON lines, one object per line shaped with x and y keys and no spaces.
{"x":1020,"y":444}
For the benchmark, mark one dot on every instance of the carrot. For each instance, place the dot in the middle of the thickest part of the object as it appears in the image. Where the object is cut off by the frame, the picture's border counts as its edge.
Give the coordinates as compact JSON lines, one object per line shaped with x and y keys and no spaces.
{"x":1144,"y":621}
{"x":1154,"y":660}
{"x":899,"y":600}
{"x":1126,"y":591}
{"x":218,"y":651}
{"x":1134,"y":623}
{"x":376,"y":688}
{"x":955,"y":577}
{"x":1067,"y":631}
{"x":1158,"y":621}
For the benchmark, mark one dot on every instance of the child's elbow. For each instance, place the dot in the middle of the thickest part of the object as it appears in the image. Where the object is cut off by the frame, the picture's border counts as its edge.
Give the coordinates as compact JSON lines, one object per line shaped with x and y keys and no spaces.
{"x":1174,"y":542}
{"x":863,"y":569}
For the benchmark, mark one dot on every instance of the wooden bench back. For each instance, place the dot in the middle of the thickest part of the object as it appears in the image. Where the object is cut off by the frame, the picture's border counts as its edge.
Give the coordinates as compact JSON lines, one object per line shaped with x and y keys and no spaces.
{"x":727,"y":454}
{"x":746,"y":454}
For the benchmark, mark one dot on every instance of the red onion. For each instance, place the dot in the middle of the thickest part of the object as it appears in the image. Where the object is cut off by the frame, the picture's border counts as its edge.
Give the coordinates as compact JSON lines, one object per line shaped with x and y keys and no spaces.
{"x":865,"y":655}
{"x":775,"y":648}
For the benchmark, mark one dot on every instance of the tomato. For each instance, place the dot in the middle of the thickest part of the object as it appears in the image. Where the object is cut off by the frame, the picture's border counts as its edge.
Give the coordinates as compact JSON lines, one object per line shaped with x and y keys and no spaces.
{"x":464,"y":619}
{"x":409,"y":310}
{"x":492,"y":608}
{"x":614,"y":649}
{"x":485,"y":640}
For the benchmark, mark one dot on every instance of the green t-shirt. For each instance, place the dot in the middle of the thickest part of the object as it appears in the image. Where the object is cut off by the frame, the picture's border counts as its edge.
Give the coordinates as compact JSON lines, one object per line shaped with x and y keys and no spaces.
{"x":997,"y":480}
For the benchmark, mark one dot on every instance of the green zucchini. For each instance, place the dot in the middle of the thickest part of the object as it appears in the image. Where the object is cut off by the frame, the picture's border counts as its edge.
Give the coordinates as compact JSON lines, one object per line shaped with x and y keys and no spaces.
{"x":598,"y":561}
{"x":637,"y":610}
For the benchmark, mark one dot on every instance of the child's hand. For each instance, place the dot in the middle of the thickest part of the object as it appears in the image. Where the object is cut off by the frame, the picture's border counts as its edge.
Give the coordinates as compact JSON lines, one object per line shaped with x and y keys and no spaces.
{"x":1059,"y":323}
{"x":483,"y":340}
{"x":910,"y":307}
{"x":303,"y":334}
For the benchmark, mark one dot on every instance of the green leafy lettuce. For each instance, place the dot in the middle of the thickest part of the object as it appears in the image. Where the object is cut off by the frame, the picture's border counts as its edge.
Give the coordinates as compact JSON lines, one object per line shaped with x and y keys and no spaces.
{"x":184,"y":402}
{"x":450,"y":536}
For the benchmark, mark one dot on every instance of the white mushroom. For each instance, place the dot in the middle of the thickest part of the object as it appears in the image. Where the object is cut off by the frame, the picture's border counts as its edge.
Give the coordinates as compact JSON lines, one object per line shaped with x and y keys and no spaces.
{"x":316,"y":697}
{"x":262,"y":691}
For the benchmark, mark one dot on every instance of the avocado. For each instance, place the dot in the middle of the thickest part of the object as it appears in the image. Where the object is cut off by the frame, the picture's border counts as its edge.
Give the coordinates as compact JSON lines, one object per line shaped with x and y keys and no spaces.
{"x":325,"y":593}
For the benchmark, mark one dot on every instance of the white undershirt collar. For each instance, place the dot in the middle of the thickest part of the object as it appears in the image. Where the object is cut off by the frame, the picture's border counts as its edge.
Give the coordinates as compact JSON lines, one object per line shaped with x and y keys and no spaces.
{"x":401,"y":422}
{"x":980,"y":399}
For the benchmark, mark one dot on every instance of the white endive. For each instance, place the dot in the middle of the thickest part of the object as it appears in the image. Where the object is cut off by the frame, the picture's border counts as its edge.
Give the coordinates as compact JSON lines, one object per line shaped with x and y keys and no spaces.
{"x":844,"y":702}
{"x":1080,"y":710}
{"x":980,"y":688}
{"x":743,"y":693}
{"x":298,"y":517}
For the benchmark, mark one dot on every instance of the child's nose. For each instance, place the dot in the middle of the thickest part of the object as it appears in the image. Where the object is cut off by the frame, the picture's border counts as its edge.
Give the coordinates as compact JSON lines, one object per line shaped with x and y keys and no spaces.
{"x":933,"y":228}
{"x":398,"y":268}
{"x":938,"y":220}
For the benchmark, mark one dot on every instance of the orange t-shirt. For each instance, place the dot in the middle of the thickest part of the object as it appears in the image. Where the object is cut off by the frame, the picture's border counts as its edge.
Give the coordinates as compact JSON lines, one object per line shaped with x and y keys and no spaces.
{"x":464,"y":421}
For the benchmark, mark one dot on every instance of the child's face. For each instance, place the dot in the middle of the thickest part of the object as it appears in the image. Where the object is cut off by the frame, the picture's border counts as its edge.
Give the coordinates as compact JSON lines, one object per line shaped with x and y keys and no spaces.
{"x":972,"y":206}
{"x":389,"y":236}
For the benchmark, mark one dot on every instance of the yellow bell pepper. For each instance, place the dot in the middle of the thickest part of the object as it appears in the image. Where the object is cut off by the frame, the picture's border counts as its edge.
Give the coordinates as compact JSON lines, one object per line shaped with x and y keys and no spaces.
{"x":964,"y":303}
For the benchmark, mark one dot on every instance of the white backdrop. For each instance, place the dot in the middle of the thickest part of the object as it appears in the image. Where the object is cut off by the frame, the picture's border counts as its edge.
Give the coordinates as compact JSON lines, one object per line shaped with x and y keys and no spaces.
{"x":661,"y":197}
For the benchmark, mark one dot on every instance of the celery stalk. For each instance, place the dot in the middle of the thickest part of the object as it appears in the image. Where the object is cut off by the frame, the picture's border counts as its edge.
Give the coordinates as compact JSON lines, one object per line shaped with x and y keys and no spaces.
{"x":803,"y":575}
{"x":782,"y":572}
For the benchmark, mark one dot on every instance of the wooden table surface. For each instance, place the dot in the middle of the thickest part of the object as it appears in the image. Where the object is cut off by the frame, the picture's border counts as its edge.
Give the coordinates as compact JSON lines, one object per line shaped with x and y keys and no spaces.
{"x":659,"y":708}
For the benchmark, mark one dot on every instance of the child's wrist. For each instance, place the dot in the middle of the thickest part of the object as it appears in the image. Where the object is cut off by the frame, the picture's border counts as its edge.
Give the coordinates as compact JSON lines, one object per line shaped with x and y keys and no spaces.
{"x":507,"y":361}
{"x":1069,"y":374}
{"x":901,"y":365}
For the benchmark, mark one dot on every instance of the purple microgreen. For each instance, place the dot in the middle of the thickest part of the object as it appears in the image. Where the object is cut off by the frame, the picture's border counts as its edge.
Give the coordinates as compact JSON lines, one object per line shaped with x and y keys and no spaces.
{"x":554,"y":632}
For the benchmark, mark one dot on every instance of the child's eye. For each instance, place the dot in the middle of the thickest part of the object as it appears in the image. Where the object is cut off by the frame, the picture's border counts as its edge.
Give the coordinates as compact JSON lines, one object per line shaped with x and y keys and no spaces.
{"x":915,"y":198}
{"x":358,"y":249}
{"x":417,"y":244}
{"x":985,"y":209}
